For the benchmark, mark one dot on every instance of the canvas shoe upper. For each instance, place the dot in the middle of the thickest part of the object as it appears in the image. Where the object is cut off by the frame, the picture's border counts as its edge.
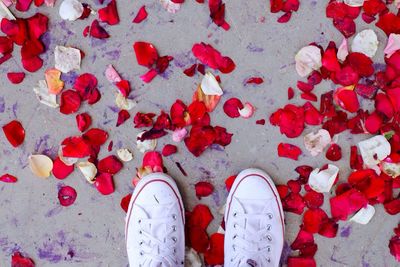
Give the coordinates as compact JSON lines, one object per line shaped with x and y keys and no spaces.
{"x":254,"y":223}
{"x":155,"y":224}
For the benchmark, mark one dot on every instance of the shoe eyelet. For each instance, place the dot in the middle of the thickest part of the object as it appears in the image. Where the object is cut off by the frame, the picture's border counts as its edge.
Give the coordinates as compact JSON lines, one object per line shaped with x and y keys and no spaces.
{"x":269,"y":238}
{"x":268,"y":248}
{"x":140,"y":232}
{"x":235,"y":225}
{"x":141,"y":253}
{"x":174,"y":254}
{"x":182,"y":262}
{"x":141,"y":243}
{"x":174,"y":228}
{"x":234,"y":214}
{"x":139,"y":221}
{"x":269,"y":260}
{"x":234,"y":237}
{"x":174,"y":216}
{"x":269,"y":227}
{"x":174,"y":239}
{"x":233,"y":247}
{"x":270,"y":216}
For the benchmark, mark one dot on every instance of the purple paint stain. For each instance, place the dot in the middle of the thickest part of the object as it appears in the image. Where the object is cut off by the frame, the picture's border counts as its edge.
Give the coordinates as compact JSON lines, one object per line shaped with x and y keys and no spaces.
{"x":285,"y":253}
{"x":364,"y":263}
{"x":42,"y":143}
{"x":46,"y":39}
{"x":183,"y":59}
{"x":14,"y":109}
{"x":69,"y":78}
{"x":345,"y":232}
{"x":2,"y":104}
{"x":255,"y":49}
{"x":113,"y":55}
{"x":54,"y":211}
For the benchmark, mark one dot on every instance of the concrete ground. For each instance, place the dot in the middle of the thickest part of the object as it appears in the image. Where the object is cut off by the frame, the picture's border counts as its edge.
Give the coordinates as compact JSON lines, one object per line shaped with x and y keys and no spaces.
{"x":91,"y":232}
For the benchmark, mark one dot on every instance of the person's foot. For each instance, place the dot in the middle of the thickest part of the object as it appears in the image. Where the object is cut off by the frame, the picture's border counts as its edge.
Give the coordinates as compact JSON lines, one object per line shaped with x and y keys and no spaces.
{"x":155,"y":223}
{"x":254,"y":224}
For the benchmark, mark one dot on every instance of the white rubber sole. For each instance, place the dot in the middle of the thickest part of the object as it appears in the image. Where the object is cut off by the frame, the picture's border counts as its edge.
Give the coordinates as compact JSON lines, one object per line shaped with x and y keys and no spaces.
{"x":153,"y":177}
{"x":254,"y":172}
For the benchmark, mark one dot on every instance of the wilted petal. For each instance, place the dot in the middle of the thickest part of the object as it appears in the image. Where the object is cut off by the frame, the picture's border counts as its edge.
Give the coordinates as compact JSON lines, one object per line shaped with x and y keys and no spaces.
{"x":307,"y":60}
{"x":322,"y":181}
{"x":146,"y":145}
{"x":247,"y":111}
{"x":54,"y":83}
{"x":67,"y":58}
{"x":40,"y":165}
{"x":124,"y":103}
{"x":316,"y":142}
{"x":43,"y":95}
{"x":364,"y":215}
{"x":365,"y":42}
{"x":374,"y":150}
{"x":88,"y":170}
{"x":124,"y":154}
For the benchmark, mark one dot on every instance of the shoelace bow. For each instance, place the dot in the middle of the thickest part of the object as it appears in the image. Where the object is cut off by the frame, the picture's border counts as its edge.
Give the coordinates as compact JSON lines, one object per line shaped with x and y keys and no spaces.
{"x":158,"y":252}
{"x":251,"y":243}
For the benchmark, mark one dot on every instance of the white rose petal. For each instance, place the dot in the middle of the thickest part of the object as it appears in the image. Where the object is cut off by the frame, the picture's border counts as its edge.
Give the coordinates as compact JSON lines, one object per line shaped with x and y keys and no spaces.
{"x":123,"y":102}
{"x":364,"y":215}
{"x":397,"y":3}
{"x":391,"y":169}
{"x":316,"y":142}
{"x":322,"y":181}
{"x":71,"y":10}
{"x":124,"y":154}
{"x":392,"y":45}
{"x":354,"y":3}
{"x":40,"y":165}
{"x":112,"y":75}
{"x":179,"y":134}
{"x":88,"y":170}
{"x":307,"y":60}
{"x":247,"y":111}
{"x":67,"y":58}
{"x":192,"y":258}
{"x":343,"y":50}
{"x":42,"y":93}
{"x":210,"y":85}
{"x":146,"y":145}
{"x":365,"y":42}
{"x":374,"y":150}
{"x":170,"y":6}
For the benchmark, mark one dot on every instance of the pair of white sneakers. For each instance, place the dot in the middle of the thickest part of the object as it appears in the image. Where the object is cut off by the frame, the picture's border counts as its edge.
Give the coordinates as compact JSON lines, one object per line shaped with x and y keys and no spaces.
{"x":254,"y":224}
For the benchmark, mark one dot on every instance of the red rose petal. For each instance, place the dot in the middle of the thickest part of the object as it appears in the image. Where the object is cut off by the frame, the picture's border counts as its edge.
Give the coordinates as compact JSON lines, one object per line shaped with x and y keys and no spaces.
{"x":14,"y":132}
{"x":329,"y":228}
{"x":334,"y":152}
{"x":311,"y":115}
{"x":18,"y":260}
{"x":15,"y":77}
{"x":301,"y":262}
{"x":125,"y":202}
{"x":313,"y":199}
{"x":393,"y":207}
{"x":229,"y":182}
{"x":141,"y":15}
{"x":146,"y":54}
{"x":215,"y":253}
{"x":37,"y":25}
{"x":394,"y":247}
{"x":75,"y":147}
{"x":208,"y":55}
{"x":83,"y":121}
{"x":347,"y":99}
{"x":60,"y":169}
{"x":32,"y":64}
{"x":200,"y":138}
{"x":347,"y":203}
{"x":198,"y":239}
{"x":289,"y":151}
{"x":203,"y":189}
{"x":97,"y":31}
{"x":70,"y":102}
{"x":217,"y":13}
{"x":67,"y":196}
{"x":95,"y":137}
{"x":8,"y":178}
{"x":232,"y":107}
{"x":23,"y":5}
{"x":190,"y":71}
{"x":313,"y":219}
{"x":168,"y":150}
{"x":293,"y":203}
{"x":290,"y":93}
{"x":124,"y":87}
{"x":110,"y":164}
{"x":200,"y":217}
{"x":104,"y":183}
{"x":153,"y":159}
{"x":109,"y":14}
{"x":86,"y":85}
{"x":143,"y":119}
{"x":123,"y":115}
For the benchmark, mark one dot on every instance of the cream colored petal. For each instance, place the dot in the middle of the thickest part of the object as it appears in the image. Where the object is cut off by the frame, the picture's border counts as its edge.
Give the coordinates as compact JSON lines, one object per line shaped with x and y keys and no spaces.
{"x":123,"y":102}
{"x":354,"y":3}
{"x":364,"y":215}
{"x":43,"y":95}
{"x":192,"y":258}
{"x":124,"y":154}
{"x":322,"y":181}
{"x":146,"y":145}
{"x":210,"y":85}
{"x":343,"y":50}
{"x":247,"y":111}
{"x":374,"y":150}
{"x":67,"y":58}
{"x":365,"y":42}
{"x":88,"y":170}
{"x":307,"y":60}
{"x":315,"y":143}
{"x":71,"y":10}
{"x":40,"y":165}
{"x":66,"y":160}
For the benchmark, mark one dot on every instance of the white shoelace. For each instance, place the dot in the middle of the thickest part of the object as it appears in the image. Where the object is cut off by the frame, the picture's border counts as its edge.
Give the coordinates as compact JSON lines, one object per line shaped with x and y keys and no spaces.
{"x":252,"y":246}
{"x":158,"y":251}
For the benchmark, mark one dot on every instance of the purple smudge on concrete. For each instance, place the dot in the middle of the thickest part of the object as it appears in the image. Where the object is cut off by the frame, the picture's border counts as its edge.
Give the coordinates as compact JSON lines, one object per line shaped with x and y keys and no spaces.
{"x":69,"y":78}
{"x":345,"y":231}
{"x":53,"y":211}
{"x":113,"y":55}
{"x":14,"y":109}
{"x":48,"y":254}
{"x":2,"y":104}
{"x":255,"y":49}
{"x":87,"y":235}
{"x":46,"y":39}
{"x":183,"y":59}
{"x":41,"y":144}
{"x":97,"y":42}
{"x":364,"y":263}
{"x":114,"y":109}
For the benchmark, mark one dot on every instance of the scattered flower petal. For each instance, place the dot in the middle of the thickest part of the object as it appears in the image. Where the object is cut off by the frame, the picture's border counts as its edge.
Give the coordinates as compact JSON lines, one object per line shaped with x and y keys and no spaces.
{"x":14,"y":132}
{"x":374,"y":150}
{"x":315,"y":143}
{"x":40,"y":165}
{"x":124,"y":154}
{"x":67,"y":196}
{"x":364,"y":215}
{"x":307,"y":60}
{"x":71,"y":10}
{"x":322,"y":180}
{"x":88,"y":170}
{"x":67,"y":58}
{"x":365,"y":42}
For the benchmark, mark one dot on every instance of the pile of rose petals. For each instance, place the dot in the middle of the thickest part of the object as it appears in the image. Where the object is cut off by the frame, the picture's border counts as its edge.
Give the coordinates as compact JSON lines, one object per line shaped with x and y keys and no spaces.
{"x":286,"y":6}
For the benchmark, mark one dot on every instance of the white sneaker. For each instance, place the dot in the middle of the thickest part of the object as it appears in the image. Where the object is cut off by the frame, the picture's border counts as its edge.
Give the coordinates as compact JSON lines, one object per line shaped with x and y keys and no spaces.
{"x":254,"y":224}
{"x":155,"y":235}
